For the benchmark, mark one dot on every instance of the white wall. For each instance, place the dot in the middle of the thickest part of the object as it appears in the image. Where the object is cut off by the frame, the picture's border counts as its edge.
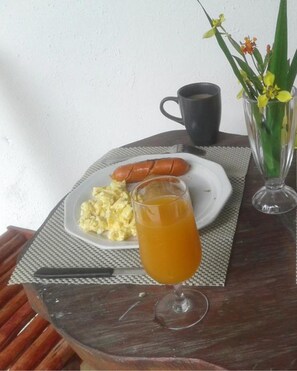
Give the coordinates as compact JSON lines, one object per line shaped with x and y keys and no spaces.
{"x":80,"y":77}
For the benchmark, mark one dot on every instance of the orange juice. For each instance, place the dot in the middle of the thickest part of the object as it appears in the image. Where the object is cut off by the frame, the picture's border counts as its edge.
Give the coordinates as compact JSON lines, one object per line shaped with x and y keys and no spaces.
{"x":169,"y":242}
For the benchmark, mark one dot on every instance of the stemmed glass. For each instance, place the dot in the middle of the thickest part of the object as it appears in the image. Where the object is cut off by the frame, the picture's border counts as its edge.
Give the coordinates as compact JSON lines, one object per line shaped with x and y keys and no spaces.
{"x":170,"y":247}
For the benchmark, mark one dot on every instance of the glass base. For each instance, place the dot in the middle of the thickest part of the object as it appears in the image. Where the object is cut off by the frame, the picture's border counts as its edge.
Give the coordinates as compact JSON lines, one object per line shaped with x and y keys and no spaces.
{"x":275,"y":201}
{"x":192,"y":311}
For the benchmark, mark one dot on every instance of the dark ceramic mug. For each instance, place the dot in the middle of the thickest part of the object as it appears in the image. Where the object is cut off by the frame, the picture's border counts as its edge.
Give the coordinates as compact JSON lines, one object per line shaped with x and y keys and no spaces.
{"x":200,"y":106}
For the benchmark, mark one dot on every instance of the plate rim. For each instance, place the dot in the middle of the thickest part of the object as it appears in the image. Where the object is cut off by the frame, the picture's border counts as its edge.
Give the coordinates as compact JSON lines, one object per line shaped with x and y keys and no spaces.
{"x":106,"y":244}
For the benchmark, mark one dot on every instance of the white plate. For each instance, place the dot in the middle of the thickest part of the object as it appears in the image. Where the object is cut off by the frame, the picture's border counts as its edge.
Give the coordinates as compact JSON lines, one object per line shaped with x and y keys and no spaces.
{"x":208,"y":184}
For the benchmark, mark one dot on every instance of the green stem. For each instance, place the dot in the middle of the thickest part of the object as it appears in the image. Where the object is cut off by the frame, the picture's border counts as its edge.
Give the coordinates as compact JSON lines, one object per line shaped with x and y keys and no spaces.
{"x":270,"y":128}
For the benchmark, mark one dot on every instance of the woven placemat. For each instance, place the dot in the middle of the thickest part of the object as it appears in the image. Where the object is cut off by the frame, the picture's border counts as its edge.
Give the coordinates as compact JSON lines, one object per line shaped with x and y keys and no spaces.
{"x":53,"y":246}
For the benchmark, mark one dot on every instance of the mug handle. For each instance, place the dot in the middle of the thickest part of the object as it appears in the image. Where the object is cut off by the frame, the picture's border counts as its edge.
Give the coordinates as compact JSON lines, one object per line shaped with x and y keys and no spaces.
{"x":177,"y":119}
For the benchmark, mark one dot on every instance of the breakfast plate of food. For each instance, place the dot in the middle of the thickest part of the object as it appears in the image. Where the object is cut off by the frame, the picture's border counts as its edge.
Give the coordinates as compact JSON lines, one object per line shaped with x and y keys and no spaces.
{"x":99,"y":210}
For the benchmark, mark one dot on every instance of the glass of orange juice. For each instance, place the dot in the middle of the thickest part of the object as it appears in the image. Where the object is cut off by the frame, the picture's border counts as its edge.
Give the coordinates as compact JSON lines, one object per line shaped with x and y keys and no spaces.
{"x":170,"y":247}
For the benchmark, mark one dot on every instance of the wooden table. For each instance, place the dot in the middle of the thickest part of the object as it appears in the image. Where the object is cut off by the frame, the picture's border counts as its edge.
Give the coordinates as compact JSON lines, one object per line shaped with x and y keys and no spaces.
{"x":251,"y":323}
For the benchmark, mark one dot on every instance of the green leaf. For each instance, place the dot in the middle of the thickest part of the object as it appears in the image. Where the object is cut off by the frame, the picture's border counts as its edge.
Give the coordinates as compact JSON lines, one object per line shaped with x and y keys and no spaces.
{"x":228,"y":55}
{"x":266,"y":61}
{"x":235,"y":44}
{"x":292,"y":72}
{"x":259,"y":60}
{"x":250,"y":73}
{"x":278,"y":62}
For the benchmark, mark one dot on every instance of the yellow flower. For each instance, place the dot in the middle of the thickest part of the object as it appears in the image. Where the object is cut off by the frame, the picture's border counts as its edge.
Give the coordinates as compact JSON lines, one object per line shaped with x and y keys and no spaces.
{"x":215,"y":23}
{"x":218,"y":22}
{"x":272,"y":91}
{"x":269,"y":79}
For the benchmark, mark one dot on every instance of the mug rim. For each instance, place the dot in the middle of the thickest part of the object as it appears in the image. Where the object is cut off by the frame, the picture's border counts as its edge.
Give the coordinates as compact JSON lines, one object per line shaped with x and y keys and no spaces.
{"x":218,"y":89}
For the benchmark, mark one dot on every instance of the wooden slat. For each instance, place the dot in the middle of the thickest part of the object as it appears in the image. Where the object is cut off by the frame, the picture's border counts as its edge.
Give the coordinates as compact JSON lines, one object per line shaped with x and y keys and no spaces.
{"x":13,"y":305}
{"x":38,"y":350}
{"x":8,"y":235}
{"x":7,"y":292}
{"x":4,"y":278}
{"x":57,"y":357}
{"x":22,"y":342}
{"x":27,"y":341}
{"x":11,"y":245}
{"x":15,"y":323}
{"x":10,"y":261}
{"x":27,"y":233}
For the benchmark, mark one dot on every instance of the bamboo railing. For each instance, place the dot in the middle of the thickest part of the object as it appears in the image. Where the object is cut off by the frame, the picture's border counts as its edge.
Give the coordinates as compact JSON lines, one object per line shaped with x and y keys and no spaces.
{"x":27,"y":341}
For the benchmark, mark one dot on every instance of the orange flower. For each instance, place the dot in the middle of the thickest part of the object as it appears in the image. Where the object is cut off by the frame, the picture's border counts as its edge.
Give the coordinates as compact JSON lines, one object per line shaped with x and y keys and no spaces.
{"x":249,"y":45}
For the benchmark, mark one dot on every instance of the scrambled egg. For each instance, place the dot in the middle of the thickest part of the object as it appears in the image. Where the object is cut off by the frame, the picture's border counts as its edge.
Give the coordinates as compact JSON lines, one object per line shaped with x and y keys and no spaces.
{"x":110,"y":210}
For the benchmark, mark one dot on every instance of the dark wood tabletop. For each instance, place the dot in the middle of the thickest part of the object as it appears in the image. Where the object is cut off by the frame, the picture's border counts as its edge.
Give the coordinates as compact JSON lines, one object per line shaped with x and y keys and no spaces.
{"x":251,"y":322}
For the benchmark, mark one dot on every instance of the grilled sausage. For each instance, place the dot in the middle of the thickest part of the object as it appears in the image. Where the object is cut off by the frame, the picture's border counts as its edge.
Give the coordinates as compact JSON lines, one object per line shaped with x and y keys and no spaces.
{"x":138,"y":171}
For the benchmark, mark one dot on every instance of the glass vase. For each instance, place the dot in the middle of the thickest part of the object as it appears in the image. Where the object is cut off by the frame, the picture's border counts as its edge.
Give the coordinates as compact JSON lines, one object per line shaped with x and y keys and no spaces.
{"x":271,"y":131}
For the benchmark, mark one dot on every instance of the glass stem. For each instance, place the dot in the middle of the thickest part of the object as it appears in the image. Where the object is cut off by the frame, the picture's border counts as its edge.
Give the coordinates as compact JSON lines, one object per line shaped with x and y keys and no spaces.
{"x":181,"y":303}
